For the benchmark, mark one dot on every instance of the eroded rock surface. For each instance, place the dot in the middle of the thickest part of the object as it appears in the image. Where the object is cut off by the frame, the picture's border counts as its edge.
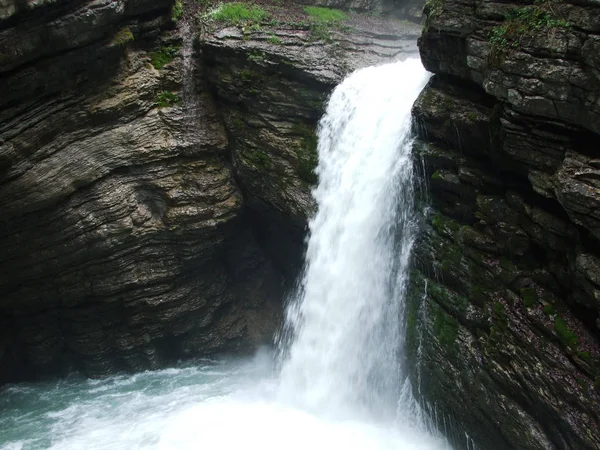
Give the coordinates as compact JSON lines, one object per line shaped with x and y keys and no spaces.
{"x":124,"y":242}
{"x":155,"y":177}
{"x":271,"y":85}
{"x":509,"y":322}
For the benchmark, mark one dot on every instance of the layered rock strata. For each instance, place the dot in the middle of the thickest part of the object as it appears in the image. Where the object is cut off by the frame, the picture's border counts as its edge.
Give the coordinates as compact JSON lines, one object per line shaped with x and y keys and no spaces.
{"x":124,"y":242}
{"x":508,"y":327}
{"x":271,"y":85}
{"x":155,"y":176}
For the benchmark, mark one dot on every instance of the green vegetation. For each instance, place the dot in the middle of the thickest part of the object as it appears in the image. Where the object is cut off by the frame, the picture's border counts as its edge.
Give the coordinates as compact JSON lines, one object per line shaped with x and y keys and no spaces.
{"x":274,"y":40}
{"x":444,"y":225}
{"x":238,"y":124}
{"x":524,"y":22}
{"x":549,"y":310}
{"x":165,"y":99}
{"x":306,"y":170}
{"x":259,"y":159}
{"x":247,"y":75}
{"x":257,"y":57}
{"x":565,"y":334}
{"x":499,"y":321}
{"x":585,"y":356}
{"x":442,"y":296}
{"x":445,"y":328}
{"x":177,"y":11}
{"x":238,"y":13}
{"x":499,"y":309}
{"x":478,"y":295}
{"x":432,"y":9}
{"x":529,"y":297}
{"x":325,"y":14}
{"x":322,"y":21}
{"x":306,"y":153}
{"x":163,"y":56}
{"x":122,"y":37}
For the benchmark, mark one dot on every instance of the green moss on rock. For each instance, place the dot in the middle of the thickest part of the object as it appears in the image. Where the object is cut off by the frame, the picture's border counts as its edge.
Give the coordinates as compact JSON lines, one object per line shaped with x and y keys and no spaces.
{"x":273,"y":39}
{"x":523,"y":22}
{"x":165,"y":99}
{"x":529,"y":296}
{"x":445,"y":225}
{"x":260,"y":159}
{"x":238,"y":13}
{"x":564,"y":333}
{"x":549,"y":310}
{"x":306,"y":153}
{"x":163,"y":56}
{"x":177,"y":11}
{"x":585,"y":356}
{"x":122,"y":37}
{"x":446,"y":329}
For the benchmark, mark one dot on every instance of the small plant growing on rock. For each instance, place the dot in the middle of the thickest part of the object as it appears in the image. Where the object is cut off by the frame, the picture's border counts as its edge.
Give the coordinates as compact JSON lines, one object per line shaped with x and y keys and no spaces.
{"x":565,"y":334}
{"x":165,"y":99}
{"x":529,"y":297}
{"x":325,"y":14}
{"x":322,"y":20}
{"x":432,"y":9}
{"x":524,"y":22}
{"x":275,"y":40}
{"x":306,"y":152}
{"x":177,"y":11}
{"x":239,"y":14}
{"x":163,"y":56}
{"x":122,"y":37}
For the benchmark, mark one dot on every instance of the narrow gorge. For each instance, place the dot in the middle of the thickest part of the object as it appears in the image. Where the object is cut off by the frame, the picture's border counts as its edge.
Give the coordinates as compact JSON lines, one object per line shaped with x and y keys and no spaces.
{"x":221,"y":226}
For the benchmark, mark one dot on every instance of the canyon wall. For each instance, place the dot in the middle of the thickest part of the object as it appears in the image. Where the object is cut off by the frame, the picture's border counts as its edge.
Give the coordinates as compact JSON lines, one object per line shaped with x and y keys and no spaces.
{"x":155,"y":175}
{"x":124,"y":240}
{"x":505,"y":296}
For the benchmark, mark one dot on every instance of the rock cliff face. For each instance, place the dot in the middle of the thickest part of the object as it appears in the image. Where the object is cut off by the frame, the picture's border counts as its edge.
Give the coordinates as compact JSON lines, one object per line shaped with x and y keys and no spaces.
{"x":124,"y":242}
{"x":271,"y":85}
{"x":509,"y":126}
{"x":155,"y":192}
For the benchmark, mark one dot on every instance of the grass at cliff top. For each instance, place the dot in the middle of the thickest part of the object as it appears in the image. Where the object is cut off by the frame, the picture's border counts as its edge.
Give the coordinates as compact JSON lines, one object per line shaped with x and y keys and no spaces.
{"x":237,"y":13}
{"x":325,"y":14}
{"x":259,"y":12}
{"x":272,"y":16}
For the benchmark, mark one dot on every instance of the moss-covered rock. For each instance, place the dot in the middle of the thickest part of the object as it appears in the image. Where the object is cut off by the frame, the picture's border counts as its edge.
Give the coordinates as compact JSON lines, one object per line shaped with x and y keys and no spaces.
{"x":511,"y":230}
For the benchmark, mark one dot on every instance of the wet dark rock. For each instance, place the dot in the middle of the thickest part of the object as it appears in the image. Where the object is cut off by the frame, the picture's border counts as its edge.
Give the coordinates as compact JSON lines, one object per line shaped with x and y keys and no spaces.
{"x":155,"y":177}
{"x":125,"y":245}
{"x":271,"y":86}
{"x":506,"y":137}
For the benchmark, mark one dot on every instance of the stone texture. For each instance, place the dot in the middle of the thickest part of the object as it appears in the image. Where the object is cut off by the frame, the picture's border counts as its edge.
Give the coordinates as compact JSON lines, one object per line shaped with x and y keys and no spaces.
{"x":125,"y":245}
{"x":509,"y":323}
{"x":271,"y":86}
{"x":156,"y":211}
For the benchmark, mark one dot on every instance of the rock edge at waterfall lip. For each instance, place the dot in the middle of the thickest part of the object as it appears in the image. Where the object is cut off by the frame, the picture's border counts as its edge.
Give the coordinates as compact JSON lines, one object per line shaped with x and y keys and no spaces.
{"x":358,"y":41}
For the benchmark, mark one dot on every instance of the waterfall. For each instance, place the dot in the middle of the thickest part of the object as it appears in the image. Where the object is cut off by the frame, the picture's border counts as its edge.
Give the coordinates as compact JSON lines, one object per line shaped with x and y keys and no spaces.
{"x":344,"y":327}
{"x":342,"y":383}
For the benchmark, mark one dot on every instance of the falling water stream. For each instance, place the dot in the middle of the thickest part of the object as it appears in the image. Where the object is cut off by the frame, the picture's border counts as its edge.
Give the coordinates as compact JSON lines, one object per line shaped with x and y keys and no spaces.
{"x":340,"y":382}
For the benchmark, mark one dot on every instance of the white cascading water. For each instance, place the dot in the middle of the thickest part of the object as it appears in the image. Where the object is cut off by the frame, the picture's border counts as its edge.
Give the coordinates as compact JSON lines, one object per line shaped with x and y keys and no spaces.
{"x":341,"y":384}
{"x":345,"y":324}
